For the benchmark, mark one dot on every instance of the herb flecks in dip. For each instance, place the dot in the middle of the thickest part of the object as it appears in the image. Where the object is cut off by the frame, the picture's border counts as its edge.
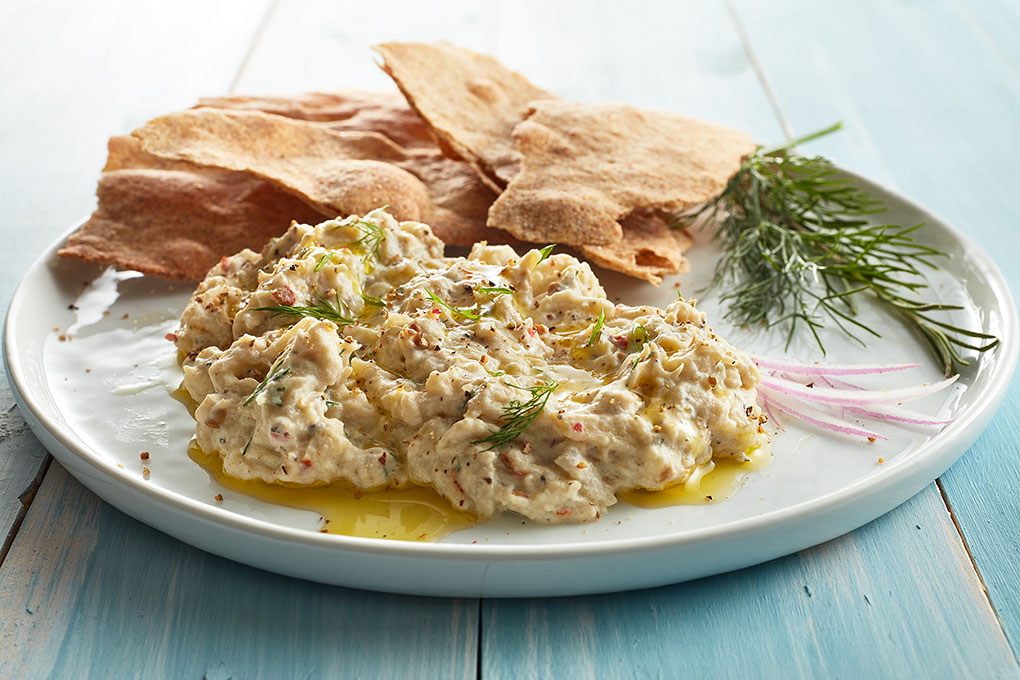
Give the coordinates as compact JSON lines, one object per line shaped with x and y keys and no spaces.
{"x":355,"y":352}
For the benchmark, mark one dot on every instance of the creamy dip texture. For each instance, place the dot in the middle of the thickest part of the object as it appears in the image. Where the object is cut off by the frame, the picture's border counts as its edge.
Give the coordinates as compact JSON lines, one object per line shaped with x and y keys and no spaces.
{"x":355,"y":352}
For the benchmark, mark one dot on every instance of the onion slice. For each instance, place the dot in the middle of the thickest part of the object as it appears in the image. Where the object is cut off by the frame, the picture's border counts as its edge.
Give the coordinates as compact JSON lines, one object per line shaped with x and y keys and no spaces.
{"x":810,"y":414}
{"x":896,"y":415}
{"x":801,"y":368}
{"x":829,"y":395}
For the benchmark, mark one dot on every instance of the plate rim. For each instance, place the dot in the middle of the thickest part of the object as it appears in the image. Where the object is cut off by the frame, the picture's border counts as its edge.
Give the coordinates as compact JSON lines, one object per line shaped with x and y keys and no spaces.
{"x":896,"y":472}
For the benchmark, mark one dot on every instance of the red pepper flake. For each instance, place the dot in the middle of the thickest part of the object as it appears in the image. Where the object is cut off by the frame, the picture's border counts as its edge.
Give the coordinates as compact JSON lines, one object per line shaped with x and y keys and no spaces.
{"x":144,"y":455}
{"x":578,"y":427}
{"x":531,"y":332}
{"x":435,"y":310}
{"x":225,"y":262}
{"x":306,"y":462}
{"x":621,"y":341}
{"x":285,"y":296}
{"x":382,"y":459}
{"x":218,"y":497}
{"x":564,"y":512}
{"x":172,"y":337}
{"x":505,"y":459}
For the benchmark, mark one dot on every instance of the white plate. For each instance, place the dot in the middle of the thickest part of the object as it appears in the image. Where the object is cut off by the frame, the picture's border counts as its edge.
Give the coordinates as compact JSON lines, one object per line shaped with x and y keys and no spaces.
{"x":99,"y":399}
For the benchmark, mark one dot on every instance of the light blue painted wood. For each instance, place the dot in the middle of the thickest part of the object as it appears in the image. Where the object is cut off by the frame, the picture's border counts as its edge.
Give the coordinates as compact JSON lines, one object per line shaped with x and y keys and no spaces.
{"x":890,"y":600}
{"x":939,"y":103}
{"x":90,"y":592}
{"x":71,"y":76}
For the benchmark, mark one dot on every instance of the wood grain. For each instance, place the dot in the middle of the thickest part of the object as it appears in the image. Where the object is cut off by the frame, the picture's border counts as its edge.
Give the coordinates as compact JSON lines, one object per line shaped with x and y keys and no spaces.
{"x":935,"y":102}
{"x":89,"y":592}
{"x":894,"y":599}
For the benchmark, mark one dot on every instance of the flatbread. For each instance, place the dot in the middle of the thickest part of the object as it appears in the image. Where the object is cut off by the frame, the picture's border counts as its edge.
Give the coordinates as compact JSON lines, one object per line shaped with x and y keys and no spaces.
{"x":317,"y":165}
{"x":338,"y":173}
{"x":649,"y":249}
{"x":175,"y":220}
{"x":586,"y":166}
{"x":460,"y":199}
{"x":350,"y":110}
{"x":470,"y":100}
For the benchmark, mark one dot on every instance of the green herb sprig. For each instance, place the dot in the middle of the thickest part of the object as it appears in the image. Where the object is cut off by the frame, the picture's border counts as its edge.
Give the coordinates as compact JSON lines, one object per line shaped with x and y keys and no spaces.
{"x":494,"y":290}
{"x":323,"y":309}
{"x":546,"y":252}
{"x":799,"y":243}
{"x":370,"y":242}
{"x":599,"y":322}
{"x":468,"y":313}
{"x":517,"y":415}
{"x":275,"y":373}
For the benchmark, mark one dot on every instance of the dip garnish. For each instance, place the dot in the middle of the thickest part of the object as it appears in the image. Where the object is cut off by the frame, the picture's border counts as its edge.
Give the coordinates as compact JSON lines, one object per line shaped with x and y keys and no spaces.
{"x":518,"y":415}
{"x":275,"y":373}
{"x":798,"y":239}
{"x":323,"y":310}
{"x":369,"y":243}
{"x":599,"y":322}
{"x":468,"y":313}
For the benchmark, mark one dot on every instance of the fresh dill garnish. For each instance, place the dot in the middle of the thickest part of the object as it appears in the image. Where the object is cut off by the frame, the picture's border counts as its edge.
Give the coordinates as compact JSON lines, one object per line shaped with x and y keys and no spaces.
{"x":372,"y":238}
{"x":639,"y":335}
{"x":799,"y":243}
{"x":517,"y":415}
{"x":497,"y":373}
{"x":323,"y":309}
{"x":494,"y":290}
{"x":274,"y":374}
{"x":244,"y":451}
{"x":470,"y":314}
{"x":330,"y":403}
{"x":546,"y":252}
{"x":322,"y":261}
{"x":373,"y":301}
{"x":599,"y":322}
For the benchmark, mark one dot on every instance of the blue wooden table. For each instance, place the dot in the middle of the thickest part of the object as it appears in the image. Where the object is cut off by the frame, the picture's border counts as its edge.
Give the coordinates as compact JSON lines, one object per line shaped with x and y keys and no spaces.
{"x":930,"y":95}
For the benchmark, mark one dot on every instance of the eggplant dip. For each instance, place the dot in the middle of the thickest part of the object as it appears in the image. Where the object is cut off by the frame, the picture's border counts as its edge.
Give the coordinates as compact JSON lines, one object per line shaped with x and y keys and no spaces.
{"x":354,"y":352}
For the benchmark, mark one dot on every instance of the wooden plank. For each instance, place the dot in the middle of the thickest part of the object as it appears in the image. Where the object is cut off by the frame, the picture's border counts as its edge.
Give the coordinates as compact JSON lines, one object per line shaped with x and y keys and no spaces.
{"x":89,"y":592}
{"x":894,"y":599}
{"x":580,"y":50}
{"x":67,"y":85}
{"x":936,"y":101}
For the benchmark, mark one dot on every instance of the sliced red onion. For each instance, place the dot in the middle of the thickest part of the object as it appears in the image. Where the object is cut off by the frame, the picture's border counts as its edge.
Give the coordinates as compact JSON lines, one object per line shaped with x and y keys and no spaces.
{"x":801,"y":368}
{"x":810,"y":414}
{"x":829,"y":395}
{"x":897,"y":415}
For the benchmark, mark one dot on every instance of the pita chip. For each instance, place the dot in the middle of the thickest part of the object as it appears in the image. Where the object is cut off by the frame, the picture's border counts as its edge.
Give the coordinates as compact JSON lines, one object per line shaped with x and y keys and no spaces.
{"x":586,"y":166}
{"x":649,"y":249}
{"x":317,"y":164}
{"x":470,"y":100}
{"x":175,"y":220}
{"x":350,"y":110}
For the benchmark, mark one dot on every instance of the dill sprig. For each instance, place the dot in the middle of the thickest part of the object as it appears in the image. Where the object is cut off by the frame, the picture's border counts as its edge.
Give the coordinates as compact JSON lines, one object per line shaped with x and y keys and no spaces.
{"x":546,"y":252}
{"x":323,"y":309}
{"x":468,"y":313}
{"x":494,"y":290}
{"x":323,"y":260}
{"x":275,"y":373}
{"x":517,"y":415}
{"x":372,"y":238}
{"x":372,"y":301}
{"x":799,"y":243}
{"x":599,"y":322}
